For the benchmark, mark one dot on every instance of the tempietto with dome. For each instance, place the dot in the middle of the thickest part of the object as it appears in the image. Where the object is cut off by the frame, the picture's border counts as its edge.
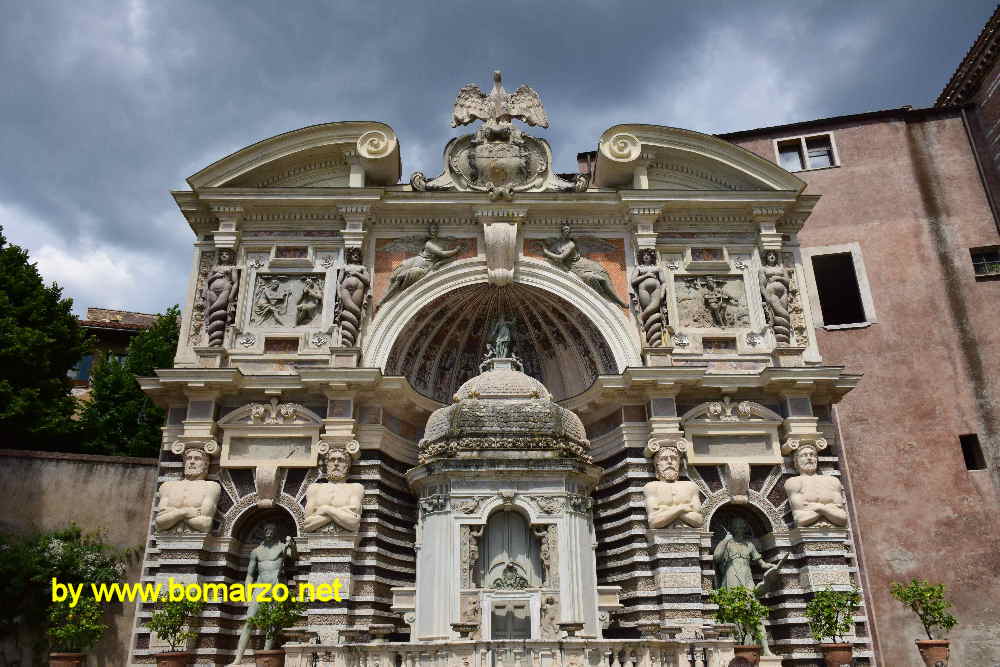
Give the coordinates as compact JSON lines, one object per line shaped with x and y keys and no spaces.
{"x":525,"y":418}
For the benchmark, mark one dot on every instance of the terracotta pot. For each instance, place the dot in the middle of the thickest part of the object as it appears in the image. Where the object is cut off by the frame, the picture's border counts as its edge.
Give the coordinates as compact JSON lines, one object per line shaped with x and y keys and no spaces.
{"x":67,"y":659}
{"x":935,"y":652}
{"x":749,"y":652}
{"x":174,"y":659}
{"x":270,"y":658}
{"x":837,"y":655}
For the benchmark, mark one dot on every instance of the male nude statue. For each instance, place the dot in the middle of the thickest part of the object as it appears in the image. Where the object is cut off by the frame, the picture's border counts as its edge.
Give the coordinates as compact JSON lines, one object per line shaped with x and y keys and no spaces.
{"x":670,"y":498}
{"x":814,"y":497}
{"x":188,"y":505}
{"x":336,"y":501}
{"x":267,"y":564}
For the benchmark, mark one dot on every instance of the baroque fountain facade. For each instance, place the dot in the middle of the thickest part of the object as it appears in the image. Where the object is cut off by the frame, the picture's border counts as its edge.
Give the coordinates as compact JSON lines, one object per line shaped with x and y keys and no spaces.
{"x":524,"y":418}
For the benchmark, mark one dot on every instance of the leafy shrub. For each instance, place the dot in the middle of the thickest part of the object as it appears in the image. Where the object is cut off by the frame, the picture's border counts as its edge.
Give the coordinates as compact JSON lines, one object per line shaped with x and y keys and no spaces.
{"x":273,"y":617}
{"x":172,"y":620}
{"x":831,"y":614}
{"x":927,"y":602}
{"x":28,"y":565}
{"x":739,"y":606}
{"x":77,"y":628}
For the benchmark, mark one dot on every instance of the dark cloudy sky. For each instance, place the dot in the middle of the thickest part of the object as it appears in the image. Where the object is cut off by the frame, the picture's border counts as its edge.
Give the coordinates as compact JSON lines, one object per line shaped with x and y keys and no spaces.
{"x":106,"y":106}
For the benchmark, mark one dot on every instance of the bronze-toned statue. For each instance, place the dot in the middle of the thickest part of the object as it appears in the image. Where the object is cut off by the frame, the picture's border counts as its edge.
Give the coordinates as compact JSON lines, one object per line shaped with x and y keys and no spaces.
{"x":267,"y":565}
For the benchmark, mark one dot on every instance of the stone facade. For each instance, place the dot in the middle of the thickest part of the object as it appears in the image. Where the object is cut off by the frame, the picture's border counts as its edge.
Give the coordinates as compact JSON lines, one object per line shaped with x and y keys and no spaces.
{"x":497,"y":402}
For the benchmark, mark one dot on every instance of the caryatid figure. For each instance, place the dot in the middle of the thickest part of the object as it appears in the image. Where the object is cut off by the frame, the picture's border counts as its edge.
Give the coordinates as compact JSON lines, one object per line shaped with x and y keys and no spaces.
{"x":336,"y":501}
{"x":813,"y":497}
{"x":353,"y":283}
{"x":670,"y":499}
{"x":219,"y":296}
{"x":188,"y":505}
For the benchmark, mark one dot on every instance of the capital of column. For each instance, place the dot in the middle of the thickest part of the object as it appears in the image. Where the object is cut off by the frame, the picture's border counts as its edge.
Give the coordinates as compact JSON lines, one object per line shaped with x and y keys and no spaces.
{"x":229,"y":217}
{"x":354,"y":224}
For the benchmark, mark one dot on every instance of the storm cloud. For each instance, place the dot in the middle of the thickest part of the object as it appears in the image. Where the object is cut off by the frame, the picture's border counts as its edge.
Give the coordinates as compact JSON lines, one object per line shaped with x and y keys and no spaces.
{"x":109,"y":105}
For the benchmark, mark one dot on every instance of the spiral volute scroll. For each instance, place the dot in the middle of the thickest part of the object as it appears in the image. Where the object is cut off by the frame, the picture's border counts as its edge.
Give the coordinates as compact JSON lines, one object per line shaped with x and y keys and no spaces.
{"x":376,"y":144}
{"x":622,"y":147}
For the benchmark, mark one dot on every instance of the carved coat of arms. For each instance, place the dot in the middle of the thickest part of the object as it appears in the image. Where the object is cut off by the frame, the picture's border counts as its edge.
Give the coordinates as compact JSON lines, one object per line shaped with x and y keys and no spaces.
{"x":499,"y":158}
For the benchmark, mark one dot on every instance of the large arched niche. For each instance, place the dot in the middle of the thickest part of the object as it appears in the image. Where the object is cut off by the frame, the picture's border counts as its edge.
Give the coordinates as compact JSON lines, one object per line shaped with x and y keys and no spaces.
{"x":444,"y":343}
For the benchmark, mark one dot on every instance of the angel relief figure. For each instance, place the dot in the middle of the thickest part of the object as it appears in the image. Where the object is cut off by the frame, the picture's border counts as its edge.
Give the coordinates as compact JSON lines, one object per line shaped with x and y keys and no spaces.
{"x":565,"y":253}
{"x":432,"y":256}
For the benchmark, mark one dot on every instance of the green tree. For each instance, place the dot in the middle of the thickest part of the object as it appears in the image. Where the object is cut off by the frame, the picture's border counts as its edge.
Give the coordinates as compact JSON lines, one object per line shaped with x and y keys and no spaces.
{"x":928,"y":603}
{"x":40,"y":341}
{"x":120,"y":420}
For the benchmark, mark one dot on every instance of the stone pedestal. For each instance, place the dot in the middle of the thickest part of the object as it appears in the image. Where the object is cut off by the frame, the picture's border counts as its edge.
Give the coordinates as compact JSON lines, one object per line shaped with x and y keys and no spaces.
{"x":675,"y":555}
{"x":329,"y":557}
{"x":824,"y":557}
{"x":658,"y":356}
{"x":788,"y":356}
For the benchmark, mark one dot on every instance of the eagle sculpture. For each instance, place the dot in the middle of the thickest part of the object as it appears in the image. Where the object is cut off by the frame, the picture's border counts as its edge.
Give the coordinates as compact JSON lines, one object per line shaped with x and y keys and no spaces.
{"x":499,"y":107}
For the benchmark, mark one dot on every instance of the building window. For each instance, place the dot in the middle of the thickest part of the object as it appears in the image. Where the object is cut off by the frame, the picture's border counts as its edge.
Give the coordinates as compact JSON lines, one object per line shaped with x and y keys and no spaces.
{"x":838,"y":287}
{"x":82,"y":369}
{"x":986,"y":261}
{"x":972,"y":452}
{"x":808,"y":152}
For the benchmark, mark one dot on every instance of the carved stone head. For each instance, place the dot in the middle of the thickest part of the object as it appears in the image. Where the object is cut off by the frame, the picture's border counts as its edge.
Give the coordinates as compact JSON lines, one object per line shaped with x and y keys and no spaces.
{"x":806,"y":459}
{"x":771,"y":258}
{"x":567,"y":231}
{"x":433,"y":230}
{"x":353,"y":255}
{"x":270,"y":533}
{"x":740,"y":530}
{"x":226,"y":256}
{"x":647,"y":257}
{"x":667,"y":462}
{"x":338,"y":465}
{"x":195,"y":464}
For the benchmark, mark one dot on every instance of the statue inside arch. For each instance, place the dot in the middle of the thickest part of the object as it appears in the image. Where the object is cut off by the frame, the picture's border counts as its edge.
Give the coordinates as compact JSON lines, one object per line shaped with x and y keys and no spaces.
{"x":734,"y":557}
{"x":267,"y":566}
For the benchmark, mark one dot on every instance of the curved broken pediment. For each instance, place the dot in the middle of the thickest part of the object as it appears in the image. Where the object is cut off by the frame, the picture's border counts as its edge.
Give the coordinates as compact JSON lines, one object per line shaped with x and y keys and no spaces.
{"x":668,"y":158}
{"x":346,"y":154}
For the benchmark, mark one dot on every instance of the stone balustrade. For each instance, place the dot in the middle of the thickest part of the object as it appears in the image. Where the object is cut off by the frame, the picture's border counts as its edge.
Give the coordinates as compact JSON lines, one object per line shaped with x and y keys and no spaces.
{"x":517,"y":653}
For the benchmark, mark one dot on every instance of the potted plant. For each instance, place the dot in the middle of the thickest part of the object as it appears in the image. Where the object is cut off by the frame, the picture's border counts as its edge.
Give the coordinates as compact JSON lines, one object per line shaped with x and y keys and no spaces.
{"x":831,"y":618}
{"x":740,"y":607}
{"x":73,"y":630}
{"x":271,"y":618}
{"x":171,"y":621}
{"x":928,"y":603}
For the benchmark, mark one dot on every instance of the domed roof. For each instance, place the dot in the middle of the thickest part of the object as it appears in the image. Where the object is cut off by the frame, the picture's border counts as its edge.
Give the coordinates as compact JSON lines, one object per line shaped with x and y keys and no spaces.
{"x":502,"y":383}
{"x":503,"y":413}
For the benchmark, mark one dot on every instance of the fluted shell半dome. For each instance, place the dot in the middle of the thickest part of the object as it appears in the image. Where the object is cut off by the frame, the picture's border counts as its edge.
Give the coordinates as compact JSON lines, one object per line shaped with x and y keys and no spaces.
{"x":503,"y":412}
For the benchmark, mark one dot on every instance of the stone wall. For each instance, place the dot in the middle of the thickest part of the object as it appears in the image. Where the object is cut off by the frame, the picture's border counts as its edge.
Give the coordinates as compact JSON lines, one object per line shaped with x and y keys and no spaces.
{"x":908,"y":192}
{"x":45,"y":491}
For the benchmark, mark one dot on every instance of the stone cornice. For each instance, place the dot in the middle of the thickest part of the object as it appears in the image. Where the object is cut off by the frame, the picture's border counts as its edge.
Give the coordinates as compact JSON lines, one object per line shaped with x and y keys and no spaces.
{"x":644,"y":383}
